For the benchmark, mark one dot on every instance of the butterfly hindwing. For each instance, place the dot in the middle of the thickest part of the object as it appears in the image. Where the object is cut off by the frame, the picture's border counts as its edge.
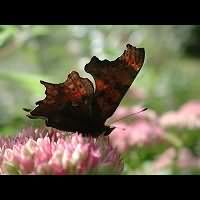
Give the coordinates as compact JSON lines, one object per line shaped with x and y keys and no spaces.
{"x":67,"y":104}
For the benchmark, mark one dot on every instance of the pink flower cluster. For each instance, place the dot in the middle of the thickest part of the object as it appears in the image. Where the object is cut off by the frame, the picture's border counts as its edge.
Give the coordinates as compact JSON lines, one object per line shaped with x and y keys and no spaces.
{"x":188,"y":116}
{"x":186,"y":160}
{"x":54,"y":152}
{"x":182,"y":159}
{"x":164,"y":161}
{"x":147,"y":127}
{"x":144,"y":129}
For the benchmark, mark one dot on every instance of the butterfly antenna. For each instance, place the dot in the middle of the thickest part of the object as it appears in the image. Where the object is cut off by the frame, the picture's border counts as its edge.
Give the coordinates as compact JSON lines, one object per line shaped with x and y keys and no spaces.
{"x":122,"y":118}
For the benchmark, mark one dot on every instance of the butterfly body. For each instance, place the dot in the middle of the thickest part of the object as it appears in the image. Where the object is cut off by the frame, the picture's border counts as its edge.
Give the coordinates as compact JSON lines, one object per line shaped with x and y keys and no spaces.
{"x":76,"y":106}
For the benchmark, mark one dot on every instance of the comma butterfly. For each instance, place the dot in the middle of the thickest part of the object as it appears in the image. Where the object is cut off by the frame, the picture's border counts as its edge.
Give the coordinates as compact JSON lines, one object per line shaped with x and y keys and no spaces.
{"x":75,"y":105}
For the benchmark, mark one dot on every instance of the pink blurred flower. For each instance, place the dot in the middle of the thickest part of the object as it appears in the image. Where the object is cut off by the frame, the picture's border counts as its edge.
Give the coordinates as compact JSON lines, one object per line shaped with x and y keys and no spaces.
{"x":188,"y":116}
{"x":54,"y":152}
{"x":164,"y":161}
{"x":136,"y":94}
{"x":186,"y":160}
{"x":142,"y":130}
{"x":183,"y":159}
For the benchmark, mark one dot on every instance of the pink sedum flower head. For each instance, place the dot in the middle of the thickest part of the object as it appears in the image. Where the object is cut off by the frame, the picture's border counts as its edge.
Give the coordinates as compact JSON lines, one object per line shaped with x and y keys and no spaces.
{"x":58,"y":154}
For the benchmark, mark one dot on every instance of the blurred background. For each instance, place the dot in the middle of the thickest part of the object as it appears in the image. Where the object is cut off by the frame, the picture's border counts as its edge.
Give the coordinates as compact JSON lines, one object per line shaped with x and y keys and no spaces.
{"x":168,"y":85}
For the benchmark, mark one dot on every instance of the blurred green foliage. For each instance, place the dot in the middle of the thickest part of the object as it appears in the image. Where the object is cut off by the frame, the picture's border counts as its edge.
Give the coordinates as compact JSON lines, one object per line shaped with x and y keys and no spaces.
{"x":28,"y":54}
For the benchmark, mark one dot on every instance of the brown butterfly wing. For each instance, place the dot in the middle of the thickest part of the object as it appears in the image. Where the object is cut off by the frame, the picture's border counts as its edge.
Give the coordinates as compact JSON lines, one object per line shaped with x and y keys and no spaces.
{"x":113,"y":79}
{"x":67,"y":106}
{"x":73,"y":105}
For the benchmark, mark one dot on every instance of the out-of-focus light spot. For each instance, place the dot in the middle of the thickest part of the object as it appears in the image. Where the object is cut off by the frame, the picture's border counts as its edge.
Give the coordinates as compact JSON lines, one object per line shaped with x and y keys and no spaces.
{"x":79,"y":31}
{"x":136,"y":37}
{"x":73,"y":46}
{"x":97,"y":44}
{"x":82,"y":62}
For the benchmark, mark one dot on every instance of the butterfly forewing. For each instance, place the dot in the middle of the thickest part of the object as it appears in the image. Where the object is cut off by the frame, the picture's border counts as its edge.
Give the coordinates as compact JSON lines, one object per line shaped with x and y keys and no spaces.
{"x":113,"y":79}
